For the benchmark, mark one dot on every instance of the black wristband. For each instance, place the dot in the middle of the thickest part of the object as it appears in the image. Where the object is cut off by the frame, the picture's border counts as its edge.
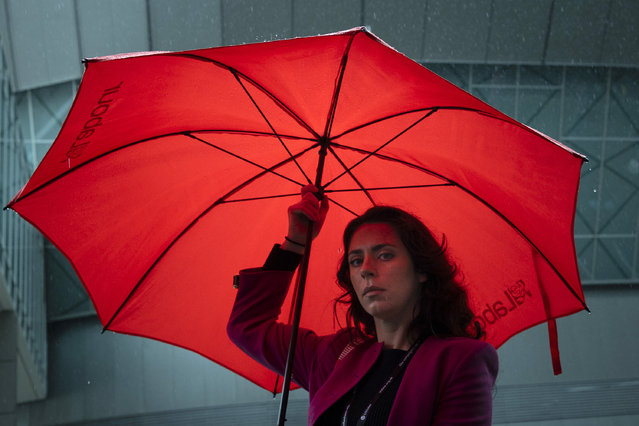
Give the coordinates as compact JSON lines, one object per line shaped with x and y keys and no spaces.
{"x":294,"y":242}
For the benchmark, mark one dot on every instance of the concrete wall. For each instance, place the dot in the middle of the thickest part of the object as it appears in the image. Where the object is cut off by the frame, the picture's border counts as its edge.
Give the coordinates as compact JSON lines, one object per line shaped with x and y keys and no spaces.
{"x":8,"y":367}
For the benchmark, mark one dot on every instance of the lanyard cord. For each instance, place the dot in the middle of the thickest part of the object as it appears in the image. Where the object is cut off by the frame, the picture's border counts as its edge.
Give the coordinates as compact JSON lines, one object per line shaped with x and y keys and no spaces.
{"x":402,"y":364}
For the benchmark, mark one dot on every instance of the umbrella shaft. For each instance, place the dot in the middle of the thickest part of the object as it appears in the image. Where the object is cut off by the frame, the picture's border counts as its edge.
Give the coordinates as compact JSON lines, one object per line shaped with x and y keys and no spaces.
{"x":297,"y":313}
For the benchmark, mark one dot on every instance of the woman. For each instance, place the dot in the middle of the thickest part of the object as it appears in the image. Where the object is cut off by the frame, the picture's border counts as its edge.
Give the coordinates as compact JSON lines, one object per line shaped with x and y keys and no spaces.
{"x":409,"y":355}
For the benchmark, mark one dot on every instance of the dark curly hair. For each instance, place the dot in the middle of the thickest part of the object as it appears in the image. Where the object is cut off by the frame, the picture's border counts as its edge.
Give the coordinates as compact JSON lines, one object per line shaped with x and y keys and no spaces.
{"x":443,"y":309}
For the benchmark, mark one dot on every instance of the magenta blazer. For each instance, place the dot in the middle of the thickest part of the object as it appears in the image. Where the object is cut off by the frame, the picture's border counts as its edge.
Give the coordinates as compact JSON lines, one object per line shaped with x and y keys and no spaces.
{"x":449,"y":381}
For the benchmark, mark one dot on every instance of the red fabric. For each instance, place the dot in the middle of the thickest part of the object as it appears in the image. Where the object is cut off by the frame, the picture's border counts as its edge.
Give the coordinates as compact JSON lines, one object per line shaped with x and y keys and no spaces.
{"x":142,"y":190}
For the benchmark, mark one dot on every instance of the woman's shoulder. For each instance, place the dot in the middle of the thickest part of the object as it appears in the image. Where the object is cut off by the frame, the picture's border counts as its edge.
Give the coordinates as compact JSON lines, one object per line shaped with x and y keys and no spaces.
{"x":454,"y":352}
{"x":459,"y":348}
{"x":459,"y":342}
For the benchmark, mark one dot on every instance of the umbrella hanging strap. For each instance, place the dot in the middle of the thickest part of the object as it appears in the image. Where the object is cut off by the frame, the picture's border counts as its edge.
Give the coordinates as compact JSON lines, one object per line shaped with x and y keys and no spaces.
{"x":554,"y":347}
{"x":553,"y":339}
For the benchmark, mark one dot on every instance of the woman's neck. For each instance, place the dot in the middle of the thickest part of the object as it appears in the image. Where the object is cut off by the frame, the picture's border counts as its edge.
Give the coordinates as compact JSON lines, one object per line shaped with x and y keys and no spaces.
{"x":393,"y":335}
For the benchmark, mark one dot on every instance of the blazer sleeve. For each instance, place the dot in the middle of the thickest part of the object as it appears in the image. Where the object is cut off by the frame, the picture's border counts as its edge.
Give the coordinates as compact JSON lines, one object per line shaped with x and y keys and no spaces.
{"x":467,"y":394}
{"x":253,"y":327}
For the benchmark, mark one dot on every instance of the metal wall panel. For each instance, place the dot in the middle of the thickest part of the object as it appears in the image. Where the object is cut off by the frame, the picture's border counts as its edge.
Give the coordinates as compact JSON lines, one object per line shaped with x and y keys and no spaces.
{"x":312,"y":17}
{"x":249,"y":21}
{"x":518,"y":31}
{"x":621,"y":41}
{"x":576,"y":31}
{"x":179,"y":26}
{"x":456,"y":30}
{"x":110,"y":27}
{"x":43,"y":41}
{"x":400,"y":24}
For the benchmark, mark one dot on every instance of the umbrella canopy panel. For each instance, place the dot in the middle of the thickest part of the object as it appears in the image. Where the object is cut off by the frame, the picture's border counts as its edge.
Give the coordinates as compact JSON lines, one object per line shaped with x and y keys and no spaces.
{"x":174,"y":170}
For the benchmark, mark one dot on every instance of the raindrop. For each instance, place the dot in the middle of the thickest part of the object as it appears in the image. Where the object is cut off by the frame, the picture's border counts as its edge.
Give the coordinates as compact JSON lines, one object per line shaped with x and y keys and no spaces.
{"x":88,"y":382}
{"x":594,"y":190}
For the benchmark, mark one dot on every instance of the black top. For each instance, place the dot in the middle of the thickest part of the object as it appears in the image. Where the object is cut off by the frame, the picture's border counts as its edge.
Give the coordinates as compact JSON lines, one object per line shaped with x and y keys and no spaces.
{"x":364,"y":392}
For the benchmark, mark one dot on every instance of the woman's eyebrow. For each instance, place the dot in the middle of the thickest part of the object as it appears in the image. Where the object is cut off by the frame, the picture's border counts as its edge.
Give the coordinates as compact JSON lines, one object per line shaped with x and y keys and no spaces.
{"x":375,"y":248}
{"x":379,"y":247}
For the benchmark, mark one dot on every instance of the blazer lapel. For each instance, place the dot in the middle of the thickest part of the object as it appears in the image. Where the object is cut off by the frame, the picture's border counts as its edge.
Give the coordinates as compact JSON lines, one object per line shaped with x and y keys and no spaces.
{"x":418,"y":389}
{"x":346,"y":374}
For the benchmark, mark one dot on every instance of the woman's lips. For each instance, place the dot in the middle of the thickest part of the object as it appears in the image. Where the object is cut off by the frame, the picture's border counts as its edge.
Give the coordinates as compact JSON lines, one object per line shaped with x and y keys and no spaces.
{"x":372,"y":289}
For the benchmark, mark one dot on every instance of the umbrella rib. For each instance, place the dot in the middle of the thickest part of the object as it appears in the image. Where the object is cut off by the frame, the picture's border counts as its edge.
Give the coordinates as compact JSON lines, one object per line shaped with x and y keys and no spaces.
{"x":370,"y":154}
{"x":396,"y":160}
{"x":270,"y":125}
{"x":388,"y":117}
{"x":382,"y":188}
{"x":247,"y":132}
{"x":338,"y":86}
{"x":271,"y":170}
{"x":343,"y":207}
{"x":349,"y":171}
{"x":296,"y":194}
{"x":217,"y":202}
{"x":266,"y":197}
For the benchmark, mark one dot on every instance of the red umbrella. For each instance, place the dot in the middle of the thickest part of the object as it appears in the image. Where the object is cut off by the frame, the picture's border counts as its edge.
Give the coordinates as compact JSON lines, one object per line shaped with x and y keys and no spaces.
{"x":173,"y":171}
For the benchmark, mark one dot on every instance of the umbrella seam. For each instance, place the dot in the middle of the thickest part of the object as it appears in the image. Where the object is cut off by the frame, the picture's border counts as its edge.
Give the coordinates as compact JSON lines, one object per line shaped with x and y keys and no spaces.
{"x":338,"y":86}
{"x":270,"y":126}
{"x":236,"y":72}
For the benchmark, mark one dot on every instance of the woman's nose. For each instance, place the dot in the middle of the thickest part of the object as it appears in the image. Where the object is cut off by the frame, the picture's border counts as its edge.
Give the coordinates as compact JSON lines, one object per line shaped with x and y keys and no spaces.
{"x":367,"y":270}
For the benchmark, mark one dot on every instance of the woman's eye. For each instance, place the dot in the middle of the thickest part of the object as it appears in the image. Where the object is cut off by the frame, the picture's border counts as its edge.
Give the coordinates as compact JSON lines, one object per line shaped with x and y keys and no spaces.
{"x":386,"y":256}
{"x":355,"y":262}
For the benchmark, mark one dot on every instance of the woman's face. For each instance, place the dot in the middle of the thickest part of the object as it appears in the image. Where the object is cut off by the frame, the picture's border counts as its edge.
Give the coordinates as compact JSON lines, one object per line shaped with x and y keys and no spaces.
{"x":382,"y":273}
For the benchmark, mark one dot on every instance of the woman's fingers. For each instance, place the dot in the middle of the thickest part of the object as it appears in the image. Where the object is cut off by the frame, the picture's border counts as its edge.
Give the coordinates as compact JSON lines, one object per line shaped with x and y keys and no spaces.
{"x":309,"y":204}
{"x":308,"y":209}
{"x":309,"y":189}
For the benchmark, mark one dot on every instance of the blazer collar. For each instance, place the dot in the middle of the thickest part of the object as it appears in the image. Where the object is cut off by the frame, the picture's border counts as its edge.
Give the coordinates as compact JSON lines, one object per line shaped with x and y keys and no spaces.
{"x":346,"y":374}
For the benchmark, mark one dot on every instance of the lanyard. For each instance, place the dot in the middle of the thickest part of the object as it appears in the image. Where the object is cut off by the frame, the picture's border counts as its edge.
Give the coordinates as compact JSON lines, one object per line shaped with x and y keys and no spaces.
{"x":393,"y":376}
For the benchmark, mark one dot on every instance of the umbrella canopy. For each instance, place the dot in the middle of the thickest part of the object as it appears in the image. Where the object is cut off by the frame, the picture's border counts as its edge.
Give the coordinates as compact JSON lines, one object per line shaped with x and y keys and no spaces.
{"x":173,"y":171}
